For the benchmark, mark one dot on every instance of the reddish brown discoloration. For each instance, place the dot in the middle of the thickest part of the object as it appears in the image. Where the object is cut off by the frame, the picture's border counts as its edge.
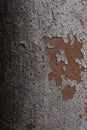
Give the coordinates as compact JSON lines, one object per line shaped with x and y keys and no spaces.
{"x":71,"y":51}
{"x":30,"y":126}
{"x":68,"y":92}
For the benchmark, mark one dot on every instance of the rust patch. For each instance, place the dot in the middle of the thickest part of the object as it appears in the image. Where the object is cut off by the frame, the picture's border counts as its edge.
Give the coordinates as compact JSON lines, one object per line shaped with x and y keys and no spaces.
{"x":68,"y":92}
{"x":30,"y":126}
{"x":72,"y":52}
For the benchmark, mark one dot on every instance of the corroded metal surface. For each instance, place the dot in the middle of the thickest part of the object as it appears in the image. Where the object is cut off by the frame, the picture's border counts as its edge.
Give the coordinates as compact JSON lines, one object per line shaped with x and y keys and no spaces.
{"x":35,"y":102}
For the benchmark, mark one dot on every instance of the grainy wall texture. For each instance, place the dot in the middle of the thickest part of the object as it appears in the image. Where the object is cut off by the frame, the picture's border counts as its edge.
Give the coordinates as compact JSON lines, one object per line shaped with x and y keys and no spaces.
{"x":43,"y":65}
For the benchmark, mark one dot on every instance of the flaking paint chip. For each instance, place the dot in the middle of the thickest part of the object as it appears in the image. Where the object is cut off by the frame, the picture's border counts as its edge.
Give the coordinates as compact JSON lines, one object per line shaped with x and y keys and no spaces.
{"x":73,"y":71}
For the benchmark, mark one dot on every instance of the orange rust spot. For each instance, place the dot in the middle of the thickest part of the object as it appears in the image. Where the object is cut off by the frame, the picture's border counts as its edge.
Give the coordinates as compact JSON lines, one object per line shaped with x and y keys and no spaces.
{"x":30,"y":126}
{"x":72,"y":52}
{"x":68,"y":92}
{"x":82,"y":23}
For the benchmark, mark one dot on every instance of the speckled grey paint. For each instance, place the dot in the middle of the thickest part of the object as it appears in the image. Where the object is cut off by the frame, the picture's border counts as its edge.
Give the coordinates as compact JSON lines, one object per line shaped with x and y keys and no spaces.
{"x":38,"y":100}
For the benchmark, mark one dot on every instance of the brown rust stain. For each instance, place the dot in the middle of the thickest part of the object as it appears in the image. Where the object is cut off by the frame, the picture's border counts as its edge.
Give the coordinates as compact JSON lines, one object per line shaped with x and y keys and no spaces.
{"x":68,"y":92}
{"x":73,"y":71}
{"x":30,"y":126}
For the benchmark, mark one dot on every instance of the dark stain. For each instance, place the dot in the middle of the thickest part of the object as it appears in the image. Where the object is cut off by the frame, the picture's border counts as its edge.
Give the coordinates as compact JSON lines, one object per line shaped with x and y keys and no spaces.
{"x":22,"y":45}
{"x":80,"y":116}
{"x":30,"y":126}
{"x":68,"y":92}
{"x":73,"y":71}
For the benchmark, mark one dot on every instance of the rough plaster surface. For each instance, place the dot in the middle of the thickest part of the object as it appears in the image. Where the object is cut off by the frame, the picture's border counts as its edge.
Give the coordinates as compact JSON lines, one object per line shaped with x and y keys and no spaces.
{"x":35,"y":103}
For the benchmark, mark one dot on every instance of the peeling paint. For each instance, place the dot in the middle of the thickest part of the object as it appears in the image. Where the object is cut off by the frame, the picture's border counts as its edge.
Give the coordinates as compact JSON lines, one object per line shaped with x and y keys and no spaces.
{"x":65,"y":58}
{"x":67,"y":21}
{"x":52,"y":18}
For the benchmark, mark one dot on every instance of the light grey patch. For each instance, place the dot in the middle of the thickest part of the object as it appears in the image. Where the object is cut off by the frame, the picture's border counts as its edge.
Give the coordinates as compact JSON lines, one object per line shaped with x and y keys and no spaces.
{"x":81,"y":62}
{"x":64,"y":68}
{"x":61,"y":57}
{"x":50,"y":46}
{"x":68,"y":82}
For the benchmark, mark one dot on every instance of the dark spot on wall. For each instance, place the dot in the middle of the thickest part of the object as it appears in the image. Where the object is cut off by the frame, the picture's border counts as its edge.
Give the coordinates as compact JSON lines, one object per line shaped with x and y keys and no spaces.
{"x":68,"y":92}
{"x":73,"y":71}
{"x":80,"y":116}
{"x":22,"y":45}
{"x":30,"y":126}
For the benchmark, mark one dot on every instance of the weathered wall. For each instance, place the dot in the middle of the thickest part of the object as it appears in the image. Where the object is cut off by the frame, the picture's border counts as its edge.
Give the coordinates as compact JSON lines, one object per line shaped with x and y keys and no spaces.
{"x":44,"y":81}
